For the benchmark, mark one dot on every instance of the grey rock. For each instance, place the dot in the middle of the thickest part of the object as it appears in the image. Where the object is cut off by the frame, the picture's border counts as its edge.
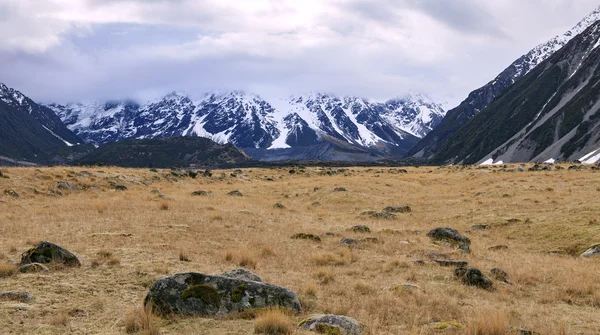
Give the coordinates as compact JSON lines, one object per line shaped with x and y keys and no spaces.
{"x":242,"y":274}
{"x":480,"y":227}
{"x":498,"y":247}
{"x":340,"y":189}
{"x":450,"y":262}
{"x":235,"y":193}
{"x":451,"y":236}
{"x":592,"y":251}
{"x":201,"y":193}
{"x":63,"y":185}
{"x":348,"y":241}
{"x":46,"y":252}
{"x":33,"y":267}
{"x":384,"y":215}
{"x":473,"y":277}
{"x":499,"y":274}
{"x":360,"y":229}
{"x":11,"y":193}
{"x":16,"y":296}
{"x":120,"y":187}
{"x":333,"y":324}
{"x":279,"y":205}
{"x":399,"y":209}
{"x":197,"y":294}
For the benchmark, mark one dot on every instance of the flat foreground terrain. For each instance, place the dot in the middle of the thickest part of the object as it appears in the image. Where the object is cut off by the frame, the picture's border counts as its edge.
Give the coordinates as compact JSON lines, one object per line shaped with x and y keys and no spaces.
{"x":126,"y":240}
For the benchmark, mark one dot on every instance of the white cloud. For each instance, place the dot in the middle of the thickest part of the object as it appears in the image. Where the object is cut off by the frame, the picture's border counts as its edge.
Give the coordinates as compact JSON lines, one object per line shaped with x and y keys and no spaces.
{"x":72,"y":49}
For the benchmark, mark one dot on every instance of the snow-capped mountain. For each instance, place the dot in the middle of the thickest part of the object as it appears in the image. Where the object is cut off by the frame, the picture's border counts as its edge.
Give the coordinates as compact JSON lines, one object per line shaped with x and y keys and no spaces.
{"x":29,"y":131}
{"x":250,"y":122}
{"x":553,"y":113}
{"x":482,"y":97}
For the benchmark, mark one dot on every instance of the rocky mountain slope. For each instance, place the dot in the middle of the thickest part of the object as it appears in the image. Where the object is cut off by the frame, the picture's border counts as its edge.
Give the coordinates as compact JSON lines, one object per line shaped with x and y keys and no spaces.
{"x":552,"y":113}
{"x":165,"y":153}
{"x":482,"y":97}
{"x":30,"y":132}
{"x":272,"y":130}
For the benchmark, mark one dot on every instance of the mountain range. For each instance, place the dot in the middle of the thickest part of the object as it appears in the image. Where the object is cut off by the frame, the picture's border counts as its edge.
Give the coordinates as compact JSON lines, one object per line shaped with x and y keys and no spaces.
{"x":311,"y":126}
{"x":483,"y":96}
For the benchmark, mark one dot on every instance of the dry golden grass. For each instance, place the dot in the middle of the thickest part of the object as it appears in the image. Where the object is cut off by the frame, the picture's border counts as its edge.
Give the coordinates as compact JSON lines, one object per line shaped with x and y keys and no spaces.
{"x":273,"y":322}
{"x":126,"y":242}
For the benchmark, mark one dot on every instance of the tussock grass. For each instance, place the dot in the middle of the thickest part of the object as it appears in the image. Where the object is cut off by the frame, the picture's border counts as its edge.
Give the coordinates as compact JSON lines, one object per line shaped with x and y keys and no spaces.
{"x":273,"y":322}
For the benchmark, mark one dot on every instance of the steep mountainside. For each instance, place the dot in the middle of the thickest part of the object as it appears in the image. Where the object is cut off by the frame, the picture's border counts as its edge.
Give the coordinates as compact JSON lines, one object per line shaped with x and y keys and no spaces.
{"x":552,"y":113}
{"x":28,"y":131}
{"x":166,"y":152}
{"x":268,"y":129}
{"x":480,"y":98}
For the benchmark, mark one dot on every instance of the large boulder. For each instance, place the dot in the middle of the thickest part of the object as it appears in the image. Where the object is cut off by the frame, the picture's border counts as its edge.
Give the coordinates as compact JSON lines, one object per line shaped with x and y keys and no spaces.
{"x":473,"y":277}
{"x":450,"y":236}
{"x":197,"y":294}
{"x":332,"y":324}
{"x":46,"y":252}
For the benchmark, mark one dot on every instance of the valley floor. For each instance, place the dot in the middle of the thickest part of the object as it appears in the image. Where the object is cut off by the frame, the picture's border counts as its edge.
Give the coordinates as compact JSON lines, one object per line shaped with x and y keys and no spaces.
{"x":128,"y":239}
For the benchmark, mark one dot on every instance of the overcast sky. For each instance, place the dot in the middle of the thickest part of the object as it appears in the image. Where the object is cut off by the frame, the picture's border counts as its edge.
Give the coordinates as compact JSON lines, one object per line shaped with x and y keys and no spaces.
{"x":68,"y":50}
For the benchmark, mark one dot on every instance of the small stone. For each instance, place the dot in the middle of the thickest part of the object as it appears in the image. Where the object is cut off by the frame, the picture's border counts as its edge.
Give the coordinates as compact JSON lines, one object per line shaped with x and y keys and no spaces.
{"x":498,"y":247}
{"x":473,"y":277}
{"x":384,"y":215}
{"x":235,"y":193}
{"x":451,"y":236}
{"x":418,"y":262}
{"x":304,"y":236}
{"x":340,"y":189}
{"x":63,"y":185}
{"x":11,"y":193}
{"x":449,"y":263}
{"x":480,"y":227}
{"x":592,"y":251}
{"x":332,"y":324}
{"x":46,"y":252}
{"x":360,"y":229}
{"x":348,"y":241}
{"x":201,"y":193}
{"x":499,"y":274}
{"x":120,"y":187}
{"x":400,"y":209}
{"x":279,"y":205}
{"x":16,"y":296}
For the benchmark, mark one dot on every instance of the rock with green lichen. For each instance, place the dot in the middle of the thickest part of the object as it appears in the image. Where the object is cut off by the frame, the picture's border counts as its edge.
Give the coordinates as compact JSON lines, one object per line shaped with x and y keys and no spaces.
{"x":46,"y":252}
{"x":450,"y":236}
{"x":332,"y":325}
{"x":473,"y":277}
{"x":201,"y":193}
{"x":235,"y":193}
{"x":360,"y":229}
{"x":500,"y":275}
{"x":304,"y":236}
{"x":197,"y":294}
{"x":398,"y":209}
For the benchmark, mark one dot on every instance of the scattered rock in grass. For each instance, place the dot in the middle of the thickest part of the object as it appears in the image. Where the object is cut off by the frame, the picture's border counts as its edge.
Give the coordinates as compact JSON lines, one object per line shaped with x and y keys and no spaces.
{"x":193,"y":174}
{"x":438,"y":255}
{"x":120,"y":187}
{"x":522,"y":331}
{"x":368,"y":212}
{"x":360,"y":229}
{"x":498,"y":247}
{"x":235,"y":193}
{"x":197,"y":294}
{"x":406,"y":288}
{"x":340,"y":189}
{"x":63,"y":185}
{"x":418,"y":262}
{"x":304,"y":236}
{"x":46,"y":252}
{"x":372,"y":240}
{"x":592,"y":251}
{"x":207,"y":173}
{"x":279,"y":205}
{"x":242,"y":274}
{"x":480,"y":227}
{"x":16,"y":296}
{"x":316,"y":204}
{"x":447,"y":325}
{"x":33,"y":267}
{"x":316,"y":189}
{"x":201,"y":193}
{"x":450,"y":236}
{"x":384,"y":215}
{"x":399,"y":209}
{"x":500,"y":275}
{"x":11,"y":193}
{"x":348,"y":241}
{"x":473,"y":277}
{"x":332,"y":324}
{"x":451,"y":263}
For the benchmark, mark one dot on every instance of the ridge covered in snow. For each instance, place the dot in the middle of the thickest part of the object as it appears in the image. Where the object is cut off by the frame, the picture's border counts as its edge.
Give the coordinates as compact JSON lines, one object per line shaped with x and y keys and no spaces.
{"x":249,"y":121}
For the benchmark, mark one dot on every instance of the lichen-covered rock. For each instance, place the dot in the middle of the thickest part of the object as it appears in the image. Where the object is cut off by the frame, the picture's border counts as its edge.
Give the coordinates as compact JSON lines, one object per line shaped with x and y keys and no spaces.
{"x":498,"y":247}
{"x":305,"y":236}
{"x":63,"y":185}
{"x":398,"y":209}
{"x":451,"y":262}
{"x":333,"y":325}
{"x":197,"y":294}
{"x":242,"y":274}
{"x":384,"y":215}
{"x":120,"y":187}
{"x":46,"y":252}
{"x":16,"y":296}
{"x":235,"y":193}
{"x":592,"y":251}
{"x":473,"y":277}
{"x":33,"y":267}
{"x":450,"y":236}
{"x":11,"y":193}
{"x":279,"y":205}
{"x":360,"y":229}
